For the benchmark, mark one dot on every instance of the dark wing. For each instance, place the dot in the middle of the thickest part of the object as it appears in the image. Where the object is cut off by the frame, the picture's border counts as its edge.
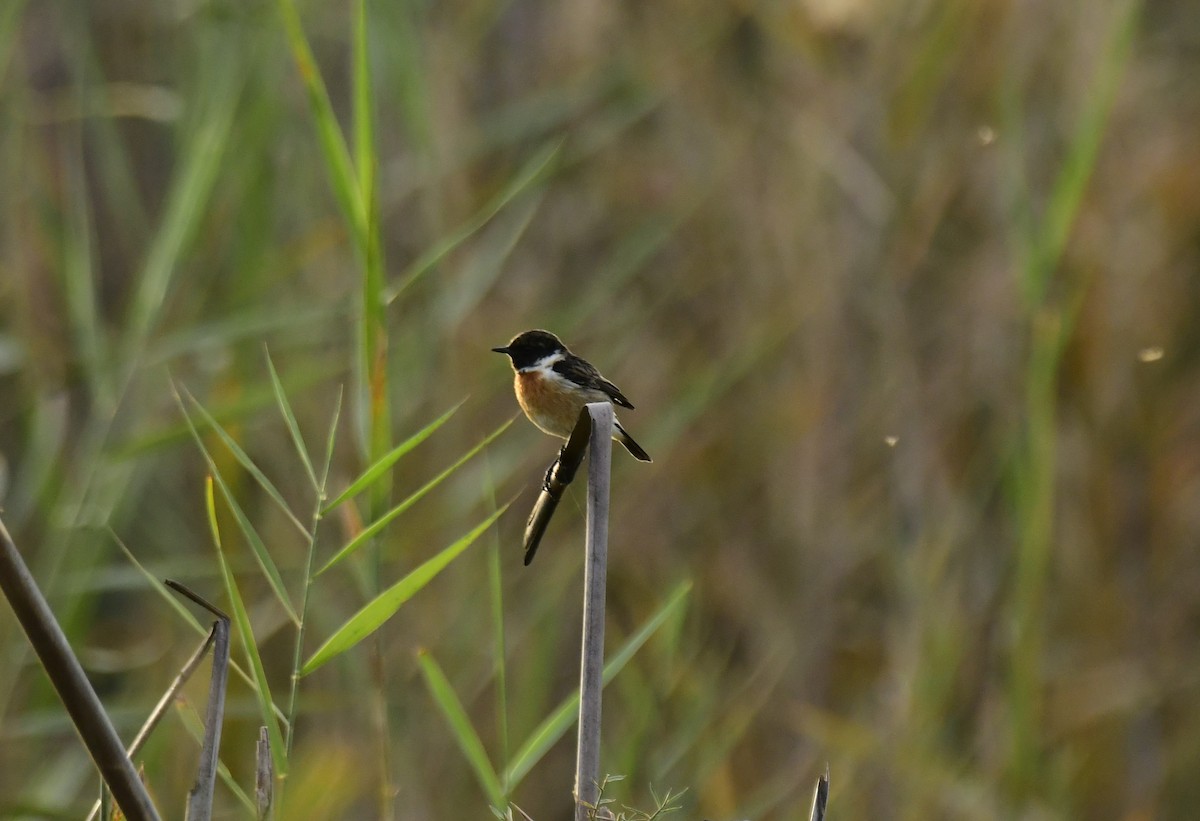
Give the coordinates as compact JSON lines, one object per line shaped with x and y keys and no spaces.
{"x":584,"y":374}
{"x":614,"y":393}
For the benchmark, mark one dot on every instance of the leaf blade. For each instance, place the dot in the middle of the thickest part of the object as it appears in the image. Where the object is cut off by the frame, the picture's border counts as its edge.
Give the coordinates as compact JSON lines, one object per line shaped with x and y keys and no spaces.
{"x":342,"y":177}
{"x":289,"y":419}
{"x":258,"y":548}
{"x":530,"y":173}
{"x":262,"y":690}
{"x":371,"y":530}
{"x":563,"y":717}
{"x":246,"y":462}
{"x":464,"y":732}
{"x":377,"y":611}
{"x":390,"y":458}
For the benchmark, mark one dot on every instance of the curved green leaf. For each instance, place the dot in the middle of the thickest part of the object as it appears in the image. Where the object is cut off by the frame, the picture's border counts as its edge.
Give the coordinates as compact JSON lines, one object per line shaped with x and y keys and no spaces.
{"x":245,"y":461}
{"x":261,"y":554}
{"x":460,"y":724}
{"x":533,"y":171}
{"x":367,"y":620}
{"x":289,"y":419}
{"x":262,"y":690}
{"x":379,"y":524}
{"x":390,"y":458}
{"x":329,"y":133}
{"x":565,"y":715}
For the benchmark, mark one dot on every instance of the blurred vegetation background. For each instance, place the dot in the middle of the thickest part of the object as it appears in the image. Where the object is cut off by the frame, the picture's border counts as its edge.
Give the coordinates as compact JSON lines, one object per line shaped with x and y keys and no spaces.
{"x":905,"y":294}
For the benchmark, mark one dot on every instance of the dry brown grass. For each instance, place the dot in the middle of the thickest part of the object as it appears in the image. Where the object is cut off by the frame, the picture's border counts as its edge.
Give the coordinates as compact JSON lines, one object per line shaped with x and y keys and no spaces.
{"x":889,"y":321}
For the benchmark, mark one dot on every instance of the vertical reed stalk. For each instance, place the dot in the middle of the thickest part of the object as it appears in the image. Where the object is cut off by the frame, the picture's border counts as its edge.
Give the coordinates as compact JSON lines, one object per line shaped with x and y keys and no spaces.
{"x":591,"y":684}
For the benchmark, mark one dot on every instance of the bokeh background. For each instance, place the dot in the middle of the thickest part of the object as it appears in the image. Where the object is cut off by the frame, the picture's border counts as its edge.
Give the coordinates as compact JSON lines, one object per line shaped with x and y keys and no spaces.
{"x":905,"y":295}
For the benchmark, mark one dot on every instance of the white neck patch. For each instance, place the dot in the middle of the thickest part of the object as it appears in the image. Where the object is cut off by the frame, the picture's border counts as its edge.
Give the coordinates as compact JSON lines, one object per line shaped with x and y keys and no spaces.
{"x":545,"y":367}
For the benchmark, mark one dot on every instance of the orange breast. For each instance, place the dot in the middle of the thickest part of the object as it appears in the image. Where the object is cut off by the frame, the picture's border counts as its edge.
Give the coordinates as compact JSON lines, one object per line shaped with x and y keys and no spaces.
{"x":554,"y":411}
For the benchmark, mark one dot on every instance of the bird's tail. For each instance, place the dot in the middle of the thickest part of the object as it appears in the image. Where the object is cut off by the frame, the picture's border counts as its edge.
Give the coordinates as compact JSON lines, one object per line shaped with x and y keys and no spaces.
{"x":633,"y":447}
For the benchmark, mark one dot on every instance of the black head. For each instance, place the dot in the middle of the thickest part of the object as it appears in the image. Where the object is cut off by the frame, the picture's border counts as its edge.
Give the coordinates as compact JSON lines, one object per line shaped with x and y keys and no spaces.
{"x":527,"y":348}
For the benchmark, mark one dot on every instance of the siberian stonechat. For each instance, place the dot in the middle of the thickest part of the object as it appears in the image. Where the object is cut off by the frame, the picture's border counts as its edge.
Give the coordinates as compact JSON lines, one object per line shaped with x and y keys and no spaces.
{"x":553,"y":385}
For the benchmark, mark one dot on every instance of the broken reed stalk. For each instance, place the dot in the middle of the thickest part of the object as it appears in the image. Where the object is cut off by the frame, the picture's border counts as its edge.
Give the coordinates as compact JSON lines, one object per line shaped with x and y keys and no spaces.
{"x":264,"y":776}
{"x":820,"y":797}
{"x":591,"y":684}
{"x":164,"y":704}
{"x":200,"y":797}
{"x":67,"y":676}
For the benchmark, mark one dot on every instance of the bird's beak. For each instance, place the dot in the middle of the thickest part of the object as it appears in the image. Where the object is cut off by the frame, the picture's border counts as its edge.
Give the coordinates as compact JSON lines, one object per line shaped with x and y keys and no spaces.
{"x":501,"y":350}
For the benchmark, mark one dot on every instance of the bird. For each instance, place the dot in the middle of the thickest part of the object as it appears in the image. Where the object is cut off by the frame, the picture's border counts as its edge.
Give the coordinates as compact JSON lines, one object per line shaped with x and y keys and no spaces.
{"x":552,"y":386}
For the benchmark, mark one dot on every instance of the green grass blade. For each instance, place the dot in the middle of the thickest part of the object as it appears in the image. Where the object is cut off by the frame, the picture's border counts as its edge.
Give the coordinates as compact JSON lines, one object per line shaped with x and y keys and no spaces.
{"x":478,"y":274}
{"x":186,"y":202}
{"x":374,"y":391}
{"x":565,"y":715}
{"x":367,"y":620}
{"x":633,"y":253}
{"x":372,"y":473}
{"x":1053,"y":310}
{"x":333,"y":144}
{"x":364,"y":126}
{"x":409,"y":75}
{"x":254,"y":399}
{"x":309,"y":564}
{"x":331,"y":440}
{"x":262,"y":690}
{"x":496,"y":591}
{"x":246,"y":462}
{"x":529,"y":174}
{"x":261,"y":555}
{"x":1070,"y":185}
{"x":289,"y":419}
{"x":255,"y":323}
{"x":79,"y":280}
{"x":171,"y":598}
{"x":460,"y":725}
{"x":379,"y":524}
